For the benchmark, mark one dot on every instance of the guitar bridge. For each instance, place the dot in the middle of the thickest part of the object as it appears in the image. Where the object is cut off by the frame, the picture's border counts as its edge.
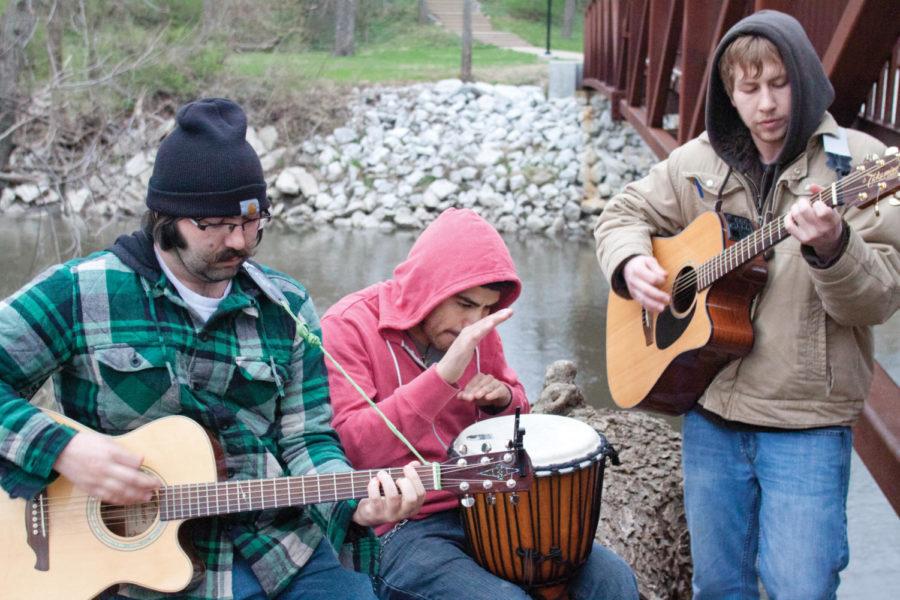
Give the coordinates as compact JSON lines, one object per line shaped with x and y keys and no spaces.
{"x":37,"y":526}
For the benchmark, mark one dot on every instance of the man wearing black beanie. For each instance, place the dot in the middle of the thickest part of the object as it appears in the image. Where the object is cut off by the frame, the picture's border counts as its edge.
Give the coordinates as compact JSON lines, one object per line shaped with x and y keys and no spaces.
{"x":177,"y":319}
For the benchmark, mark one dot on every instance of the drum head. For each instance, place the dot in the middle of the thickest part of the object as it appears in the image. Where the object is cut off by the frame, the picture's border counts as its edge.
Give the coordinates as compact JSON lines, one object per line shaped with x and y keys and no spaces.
{"x":554,"y":443}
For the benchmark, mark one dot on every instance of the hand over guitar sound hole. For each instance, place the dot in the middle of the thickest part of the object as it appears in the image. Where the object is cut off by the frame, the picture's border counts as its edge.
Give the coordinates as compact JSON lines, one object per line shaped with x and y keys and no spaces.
{"x":130,"y":520}
{"x":684,"y":290}
{"x":672,"y":322}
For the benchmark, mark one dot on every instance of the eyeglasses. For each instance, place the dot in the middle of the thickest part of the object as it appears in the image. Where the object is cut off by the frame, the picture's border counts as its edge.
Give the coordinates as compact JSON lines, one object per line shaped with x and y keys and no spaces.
{"x":251,"y":228}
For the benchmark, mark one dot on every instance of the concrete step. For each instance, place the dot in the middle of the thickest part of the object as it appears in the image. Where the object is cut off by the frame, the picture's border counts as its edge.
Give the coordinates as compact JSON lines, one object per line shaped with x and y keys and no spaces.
{"x":449,"y":13}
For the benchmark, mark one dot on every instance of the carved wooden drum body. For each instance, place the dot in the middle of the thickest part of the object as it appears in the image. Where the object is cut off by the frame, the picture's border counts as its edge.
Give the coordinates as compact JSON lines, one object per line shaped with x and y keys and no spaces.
{"x":539,"y":537}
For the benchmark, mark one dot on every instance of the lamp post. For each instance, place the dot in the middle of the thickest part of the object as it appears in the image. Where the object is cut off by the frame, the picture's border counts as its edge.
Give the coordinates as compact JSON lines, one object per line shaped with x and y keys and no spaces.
{"x":549,"y":13}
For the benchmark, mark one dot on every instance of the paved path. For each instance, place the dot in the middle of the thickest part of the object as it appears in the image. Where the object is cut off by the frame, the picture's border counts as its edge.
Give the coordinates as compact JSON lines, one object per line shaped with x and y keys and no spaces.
{"x":449,"y":13}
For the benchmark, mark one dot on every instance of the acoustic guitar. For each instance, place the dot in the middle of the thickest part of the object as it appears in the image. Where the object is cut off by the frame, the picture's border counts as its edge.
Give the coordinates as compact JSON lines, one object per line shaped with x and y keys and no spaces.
{"x":665,"y":362}
{"x":63,"y":544}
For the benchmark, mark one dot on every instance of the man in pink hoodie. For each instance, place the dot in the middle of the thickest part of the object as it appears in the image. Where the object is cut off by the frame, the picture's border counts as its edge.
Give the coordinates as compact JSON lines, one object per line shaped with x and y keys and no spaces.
{"x":424,"y":347}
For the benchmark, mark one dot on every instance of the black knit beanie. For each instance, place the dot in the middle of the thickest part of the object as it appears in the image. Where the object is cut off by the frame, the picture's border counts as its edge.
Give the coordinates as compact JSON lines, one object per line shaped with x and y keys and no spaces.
{"x":205,"y":167}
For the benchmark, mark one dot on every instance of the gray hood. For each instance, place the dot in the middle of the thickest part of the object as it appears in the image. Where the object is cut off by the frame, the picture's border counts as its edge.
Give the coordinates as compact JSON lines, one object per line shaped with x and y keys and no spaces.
{"x":811,"y":92}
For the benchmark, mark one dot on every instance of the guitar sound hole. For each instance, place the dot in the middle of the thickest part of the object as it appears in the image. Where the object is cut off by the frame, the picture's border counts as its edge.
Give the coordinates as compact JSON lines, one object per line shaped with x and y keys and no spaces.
{"x":684,"y":290}
{"x":129,"y":520}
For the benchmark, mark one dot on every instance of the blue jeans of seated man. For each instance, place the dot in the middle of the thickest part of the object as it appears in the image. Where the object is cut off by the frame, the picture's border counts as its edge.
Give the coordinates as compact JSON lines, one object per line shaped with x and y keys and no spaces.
{"x":766,"y":504}
{"x":426,"y":559}
{"x":321,"y":578}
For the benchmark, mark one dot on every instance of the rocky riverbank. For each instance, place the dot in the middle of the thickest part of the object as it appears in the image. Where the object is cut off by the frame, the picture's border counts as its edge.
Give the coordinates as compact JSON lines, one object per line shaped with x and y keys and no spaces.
{"x":524,"y":162}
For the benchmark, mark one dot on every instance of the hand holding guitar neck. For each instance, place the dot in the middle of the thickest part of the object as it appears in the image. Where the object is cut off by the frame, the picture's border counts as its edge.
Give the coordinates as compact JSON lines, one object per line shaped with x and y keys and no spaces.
{"x":815,"y":224}
{"x":391,"y":501}
{"x":645,"y":277}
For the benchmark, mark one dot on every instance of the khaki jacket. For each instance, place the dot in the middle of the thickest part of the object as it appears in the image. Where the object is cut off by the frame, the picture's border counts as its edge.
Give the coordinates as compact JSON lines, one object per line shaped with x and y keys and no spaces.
{"x":811,"y":363}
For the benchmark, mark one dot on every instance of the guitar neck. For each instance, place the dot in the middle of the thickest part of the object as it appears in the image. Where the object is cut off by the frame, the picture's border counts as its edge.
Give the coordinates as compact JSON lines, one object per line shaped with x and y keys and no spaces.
{"x":189,"y":501}
{"x":741,"y":252}
{"x":875,"y":178}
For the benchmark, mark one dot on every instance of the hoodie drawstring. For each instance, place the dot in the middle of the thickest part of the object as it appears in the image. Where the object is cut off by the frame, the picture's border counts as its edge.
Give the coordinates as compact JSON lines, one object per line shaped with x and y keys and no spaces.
{"x":313,"y":340}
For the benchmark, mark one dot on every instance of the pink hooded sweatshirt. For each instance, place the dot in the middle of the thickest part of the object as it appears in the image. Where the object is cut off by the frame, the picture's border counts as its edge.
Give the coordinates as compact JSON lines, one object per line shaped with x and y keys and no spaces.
{"x":367,"y":333}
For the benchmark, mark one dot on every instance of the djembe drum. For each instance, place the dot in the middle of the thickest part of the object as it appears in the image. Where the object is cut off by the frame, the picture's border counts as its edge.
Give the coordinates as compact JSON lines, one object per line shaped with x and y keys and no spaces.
{"x":538,"y":538}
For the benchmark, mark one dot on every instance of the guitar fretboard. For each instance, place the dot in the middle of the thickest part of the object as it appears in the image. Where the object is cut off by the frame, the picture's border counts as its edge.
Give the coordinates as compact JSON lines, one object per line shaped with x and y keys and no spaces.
{"x":207,"y":499}
{"x":740,"y":253}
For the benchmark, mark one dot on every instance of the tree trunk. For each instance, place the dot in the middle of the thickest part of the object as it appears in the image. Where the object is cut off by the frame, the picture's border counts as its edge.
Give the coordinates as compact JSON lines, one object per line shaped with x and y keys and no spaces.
{"x":16,"y":29}
{"x":423,"y":12}
{"x":211,"y":10}
{"x":344,"y":27}
{"x":466,"y":73}
{"x":56,"y":21}
{"x":568,"y":18}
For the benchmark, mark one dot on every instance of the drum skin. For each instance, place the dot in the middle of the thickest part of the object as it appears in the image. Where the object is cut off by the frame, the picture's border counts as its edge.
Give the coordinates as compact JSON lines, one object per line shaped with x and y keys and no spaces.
{"x":540,"y":537}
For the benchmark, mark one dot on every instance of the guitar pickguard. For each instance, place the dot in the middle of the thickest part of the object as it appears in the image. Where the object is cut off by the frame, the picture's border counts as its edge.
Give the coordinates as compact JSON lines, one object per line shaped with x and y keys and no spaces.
{"x":670,"y":327}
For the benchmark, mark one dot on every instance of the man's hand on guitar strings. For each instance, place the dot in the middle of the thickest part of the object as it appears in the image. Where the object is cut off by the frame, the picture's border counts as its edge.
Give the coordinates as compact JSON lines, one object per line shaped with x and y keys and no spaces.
{"x":98,"y":465}
{"x":815,"y":224}
{"x":400,"y":500}
{"x":645,"y":277}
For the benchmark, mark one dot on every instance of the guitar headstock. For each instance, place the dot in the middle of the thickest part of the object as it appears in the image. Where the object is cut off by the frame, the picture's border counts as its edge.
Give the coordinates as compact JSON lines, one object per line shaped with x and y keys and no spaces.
{"x":486,"y":473}
{"x":873,"y":180}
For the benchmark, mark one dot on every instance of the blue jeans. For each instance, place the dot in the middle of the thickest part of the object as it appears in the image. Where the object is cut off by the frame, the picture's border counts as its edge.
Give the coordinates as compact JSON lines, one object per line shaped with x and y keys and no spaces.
{"x":426,"y":559}
{"x":768,"y":505}
{"x":321,"y":578}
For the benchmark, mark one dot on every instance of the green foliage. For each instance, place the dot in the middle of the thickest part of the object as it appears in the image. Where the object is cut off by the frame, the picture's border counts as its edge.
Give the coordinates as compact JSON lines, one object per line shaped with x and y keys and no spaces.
{"x":184,"y":78}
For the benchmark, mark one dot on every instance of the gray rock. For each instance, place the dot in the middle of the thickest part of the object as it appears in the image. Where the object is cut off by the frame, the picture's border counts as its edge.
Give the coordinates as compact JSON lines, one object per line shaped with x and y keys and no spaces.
{"x":344,"y":135}
{"x":268,"y":135}
{"x":28,"y":192}
{"x":593,"y":206}
{"x":253,"y":139}
{"x":535,"y":223}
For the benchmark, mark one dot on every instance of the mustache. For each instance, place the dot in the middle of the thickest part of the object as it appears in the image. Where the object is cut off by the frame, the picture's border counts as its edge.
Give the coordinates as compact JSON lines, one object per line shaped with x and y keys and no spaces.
{"x":231,"y":253}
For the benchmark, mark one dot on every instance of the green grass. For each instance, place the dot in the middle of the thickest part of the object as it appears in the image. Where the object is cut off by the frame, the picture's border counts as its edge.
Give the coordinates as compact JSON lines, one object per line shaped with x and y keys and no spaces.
{"x":505,"y":17}
{"x":423,"y":54}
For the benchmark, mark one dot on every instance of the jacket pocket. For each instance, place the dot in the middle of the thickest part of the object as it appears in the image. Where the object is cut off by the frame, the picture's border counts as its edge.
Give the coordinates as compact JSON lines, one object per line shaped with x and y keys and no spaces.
{"x":136,"y":385}
{"x":256,"y":382}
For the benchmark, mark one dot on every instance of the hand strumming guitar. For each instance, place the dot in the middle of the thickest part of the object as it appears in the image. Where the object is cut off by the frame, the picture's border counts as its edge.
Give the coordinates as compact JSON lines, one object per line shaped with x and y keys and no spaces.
{"x":644,"y":277}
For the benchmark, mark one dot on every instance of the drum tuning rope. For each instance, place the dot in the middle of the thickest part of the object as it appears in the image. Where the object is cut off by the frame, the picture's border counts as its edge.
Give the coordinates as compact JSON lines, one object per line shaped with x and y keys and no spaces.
{"x":313,"y":340}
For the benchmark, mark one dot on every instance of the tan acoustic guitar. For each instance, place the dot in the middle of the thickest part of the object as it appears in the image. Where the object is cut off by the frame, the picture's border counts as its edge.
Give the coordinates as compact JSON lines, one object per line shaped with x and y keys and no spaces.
{"x":665,"y":362}
{"x":63,"y":544}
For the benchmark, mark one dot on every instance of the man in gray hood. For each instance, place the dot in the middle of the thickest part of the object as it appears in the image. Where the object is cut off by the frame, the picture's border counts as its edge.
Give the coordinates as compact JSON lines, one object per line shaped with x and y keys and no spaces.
{"x":767,"y":449}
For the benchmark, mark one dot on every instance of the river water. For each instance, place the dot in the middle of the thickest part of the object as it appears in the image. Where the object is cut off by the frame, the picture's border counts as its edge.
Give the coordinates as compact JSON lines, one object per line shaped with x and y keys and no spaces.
{"x":560,"y":315}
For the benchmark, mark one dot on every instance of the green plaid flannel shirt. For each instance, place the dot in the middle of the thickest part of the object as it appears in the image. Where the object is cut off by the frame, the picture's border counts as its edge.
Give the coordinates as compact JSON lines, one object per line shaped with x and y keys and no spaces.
{"x":123,"y":350}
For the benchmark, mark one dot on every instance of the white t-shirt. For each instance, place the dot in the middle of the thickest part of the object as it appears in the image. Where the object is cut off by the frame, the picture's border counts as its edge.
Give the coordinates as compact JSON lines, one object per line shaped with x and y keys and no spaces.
{"x":202,"y":305}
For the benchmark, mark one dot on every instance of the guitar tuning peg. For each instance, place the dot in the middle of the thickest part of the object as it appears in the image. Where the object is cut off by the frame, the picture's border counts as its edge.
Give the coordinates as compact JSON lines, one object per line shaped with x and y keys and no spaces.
{"x":510,"y":483}
{"x":491,"y":499}
{"x":514,"y":499}
{"x":467,"y":501}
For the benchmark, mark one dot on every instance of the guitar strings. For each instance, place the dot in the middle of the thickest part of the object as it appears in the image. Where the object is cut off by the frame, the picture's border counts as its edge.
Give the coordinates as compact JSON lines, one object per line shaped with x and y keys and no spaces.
{"x":236,"y":491}
{"x":771,"y":230}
